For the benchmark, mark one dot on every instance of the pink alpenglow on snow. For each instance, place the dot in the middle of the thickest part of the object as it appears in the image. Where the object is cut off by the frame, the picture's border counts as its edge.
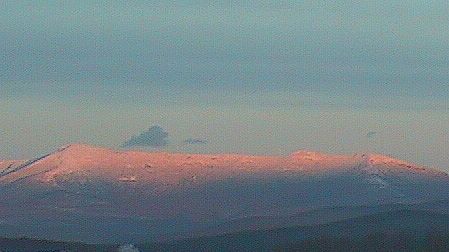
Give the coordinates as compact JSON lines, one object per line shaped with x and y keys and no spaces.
{"x":155,"y":193}
{"x":144,"y":167}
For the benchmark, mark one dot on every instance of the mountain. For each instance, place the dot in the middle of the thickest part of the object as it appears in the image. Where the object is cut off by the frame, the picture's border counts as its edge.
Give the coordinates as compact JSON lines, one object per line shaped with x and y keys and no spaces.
{"x":98,"y":195}
{"x":401,"y":230}
{"x":395,"y":230}
{"x":309,"y":218}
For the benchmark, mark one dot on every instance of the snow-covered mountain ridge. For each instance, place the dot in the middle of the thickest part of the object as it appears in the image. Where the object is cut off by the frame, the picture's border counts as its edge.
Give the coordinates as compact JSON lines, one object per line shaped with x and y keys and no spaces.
{"x":171,"y":168}
{"x":80,"y":190}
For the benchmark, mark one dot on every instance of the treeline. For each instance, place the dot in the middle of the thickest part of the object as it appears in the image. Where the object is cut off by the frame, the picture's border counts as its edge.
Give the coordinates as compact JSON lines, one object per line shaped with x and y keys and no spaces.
{"x":32,"y":245}
{"x":373,"y":242}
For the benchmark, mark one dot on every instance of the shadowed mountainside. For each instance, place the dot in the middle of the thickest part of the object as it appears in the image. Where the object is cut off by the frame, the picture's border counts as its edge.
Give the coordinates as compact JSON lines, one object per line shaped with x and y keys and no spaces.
{"x":398,"y":230}
{"x":401,"y":230}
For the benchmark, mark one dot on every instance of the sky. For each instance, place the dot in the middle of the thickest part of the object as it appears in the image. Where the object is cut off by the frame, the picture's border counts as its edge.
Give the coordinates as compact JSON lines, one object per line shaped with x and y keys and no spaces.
{"x":259,"y":77}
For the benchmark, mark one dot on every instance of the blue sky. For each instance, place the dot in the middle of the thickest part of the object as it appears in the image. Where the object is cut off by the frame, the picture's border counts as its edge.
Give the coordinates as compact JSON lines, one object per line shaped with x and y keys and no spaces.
{"x":264,"y":77}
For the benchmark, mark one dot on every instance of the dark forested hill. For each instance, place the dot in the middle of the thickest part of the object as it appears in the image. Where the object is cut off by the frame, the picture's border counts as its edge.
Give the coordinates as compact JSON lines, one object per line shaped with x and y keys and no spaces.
{"x":391,"y":231}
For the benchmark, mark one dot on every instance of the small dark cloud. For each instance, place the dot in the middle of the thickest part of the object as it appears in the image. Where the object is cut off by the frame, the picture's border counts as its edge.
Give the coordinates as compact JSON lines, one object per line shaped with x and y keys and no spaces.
{"x":195,"y":141}
{"x":153,"y":137}
{"x":371,"y":134}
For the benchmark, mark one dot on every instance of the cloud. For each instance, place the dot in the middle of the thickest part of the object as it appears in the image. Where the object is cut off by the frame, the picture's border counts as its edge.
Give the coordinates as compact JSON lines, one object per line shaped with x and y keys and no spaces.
{"x":155,"y":136}
{"x":371,"y":134}
{"x":195,"y":141}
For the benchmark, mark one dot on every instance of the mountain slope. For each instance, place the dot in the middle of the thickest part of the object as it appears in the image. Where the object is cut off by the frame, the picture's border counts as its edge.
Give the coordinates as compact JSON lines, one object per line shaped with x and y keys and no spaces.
{"x":397,"y":230}
{"x":382,"y":230}
{"x":122,"y":196}
{"x":309,"y":218}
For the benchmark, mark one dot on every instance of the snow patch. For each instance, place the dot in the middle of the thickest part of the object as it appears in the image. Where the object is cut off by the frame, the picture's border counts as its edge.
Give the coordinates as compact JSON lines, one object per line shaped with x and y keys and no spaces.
{"x":128,"y":248}
{"x":378,"y":181}
{"x":130,"y":179}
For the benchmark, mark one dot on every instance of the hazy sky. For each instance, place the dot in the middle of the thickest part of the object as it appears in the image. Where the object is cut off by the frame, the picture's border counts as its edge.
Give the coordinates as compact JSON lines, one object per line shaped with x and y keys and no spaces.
{"x":264,"y":77}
